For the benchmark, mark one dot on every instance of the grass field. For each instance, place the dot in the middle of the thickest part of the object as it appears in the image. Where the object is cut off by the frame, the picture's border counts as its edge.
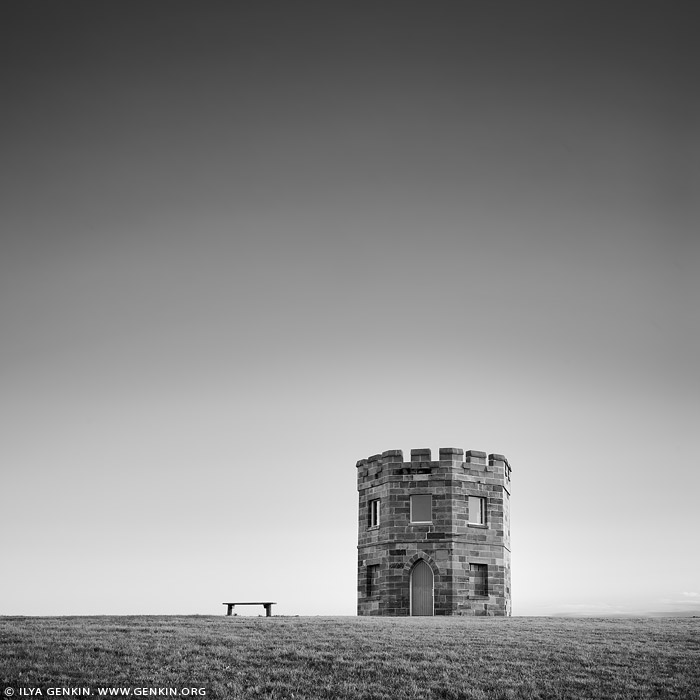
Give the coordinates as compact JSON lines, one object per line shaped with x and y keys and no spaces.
{"x":347,"y":657}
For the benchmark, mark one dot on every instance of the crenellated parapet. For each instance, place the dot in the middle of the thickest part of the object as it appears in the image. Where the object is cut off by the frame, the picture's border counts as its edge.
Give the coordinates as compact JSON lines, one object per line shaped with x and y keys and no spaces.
{"x":392,"y":463}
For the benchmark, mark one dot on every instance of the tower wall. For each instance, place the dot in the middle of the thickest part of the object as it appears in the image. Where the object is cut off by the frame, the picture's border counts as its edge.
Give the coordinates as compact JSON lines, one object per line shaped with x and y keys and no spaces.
{"x":450,"y":544}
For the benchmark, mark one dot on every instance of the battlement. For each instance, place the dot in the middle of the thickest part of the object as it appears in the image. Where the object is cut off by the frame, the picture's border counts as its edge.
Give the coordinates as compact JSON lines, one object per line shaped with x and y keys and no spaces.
{"x":392,"y":462}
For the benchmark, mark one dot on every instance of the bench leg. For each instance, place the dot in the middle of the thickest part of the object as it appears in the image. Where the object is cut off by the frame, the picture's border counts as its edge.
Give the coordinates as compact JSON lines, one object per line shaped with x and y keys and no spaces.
{"x":268,"y":610}
{"x":229,"y":611}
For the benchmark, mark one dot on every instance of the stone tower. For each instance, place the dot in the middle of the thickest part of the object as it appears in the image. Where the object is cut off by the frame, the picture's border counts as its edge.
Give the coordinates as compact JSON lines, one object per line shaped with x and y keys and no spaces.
{"x":434,"y":536}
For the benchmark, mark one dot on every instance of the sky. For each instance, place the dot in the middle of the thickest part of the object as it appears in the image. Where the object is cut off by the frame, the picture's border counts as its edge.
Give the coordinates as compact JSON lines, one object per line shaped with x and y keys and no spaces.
{"x":244,"y":245}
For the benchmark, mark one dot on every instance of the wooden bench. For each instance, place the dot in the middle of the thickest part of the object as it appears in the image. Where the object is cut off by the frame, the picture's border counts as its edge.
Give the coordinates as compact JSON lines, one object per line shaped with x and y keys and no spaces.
{"x":267,"y":606}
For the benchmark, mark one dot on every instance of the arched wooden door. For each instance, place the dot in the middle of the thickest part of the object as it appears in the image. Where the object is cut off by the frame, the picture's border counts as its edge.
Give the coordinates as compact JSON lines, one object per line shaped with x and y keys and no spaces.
{"x":421,"y":589}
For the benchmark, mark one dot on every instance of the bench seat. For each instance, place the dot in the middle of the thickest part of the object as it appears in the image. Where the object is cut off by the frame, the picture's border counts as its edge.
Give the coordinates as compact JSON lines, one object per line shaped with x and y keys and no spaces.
{"x":266,"y":604}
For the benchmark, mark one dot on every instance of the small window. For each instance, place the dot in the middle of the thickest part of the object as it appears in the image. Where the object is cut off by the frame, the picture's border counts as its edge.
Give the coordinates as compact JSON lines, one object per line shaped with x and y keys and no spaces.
{"x":374,"y":513}
{"x":372,"y":579}
{"x":479,"y":576}
{"x":477,"y":510}
{"x":422,"y":509}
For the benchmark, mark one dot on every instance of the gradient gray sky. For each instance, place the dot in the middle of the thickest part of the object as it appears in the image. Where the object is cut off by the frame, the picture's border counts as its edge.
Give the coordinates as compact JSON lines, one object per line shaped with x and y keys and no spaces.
{"x":244,"y":245}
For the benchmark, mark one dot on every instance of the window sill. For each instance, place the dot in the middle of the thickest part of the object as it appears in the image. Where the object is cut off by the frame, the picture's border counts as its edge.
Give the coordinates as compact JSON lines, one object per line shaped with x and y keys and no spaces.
{"x":478,"y":526}
{"x":373,"y":527}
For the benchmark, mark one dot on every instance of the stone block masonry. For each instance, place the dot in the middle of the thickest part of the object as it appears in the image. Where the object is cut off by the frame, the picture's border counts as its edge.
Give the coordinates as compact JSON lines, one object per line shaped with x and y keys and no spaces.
{"x":434,"y":536}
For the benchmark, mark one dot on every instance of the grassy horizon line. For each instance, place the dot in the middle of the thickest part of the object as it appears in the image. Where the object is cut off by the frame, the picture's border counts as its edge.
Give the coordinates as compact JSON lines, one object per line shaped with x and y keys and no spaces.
{"x":358,"y":658}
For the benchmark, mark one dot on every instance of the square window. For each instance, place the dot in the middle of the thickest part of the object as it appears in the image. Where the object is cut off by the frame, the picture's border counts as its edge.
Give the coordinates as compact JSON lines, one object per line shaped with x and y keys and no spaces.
{"x":422,"y":509}
{"x":374,"y":513}
{"x":477,"y":510}
{"x":479,"y":579}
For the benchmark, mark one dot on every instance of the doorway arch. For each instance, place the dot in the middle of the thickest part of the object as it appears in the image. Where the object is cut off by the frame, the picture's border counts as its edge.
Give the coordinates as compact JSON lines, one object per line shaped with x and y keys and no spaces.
{"x":422,"y":589}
